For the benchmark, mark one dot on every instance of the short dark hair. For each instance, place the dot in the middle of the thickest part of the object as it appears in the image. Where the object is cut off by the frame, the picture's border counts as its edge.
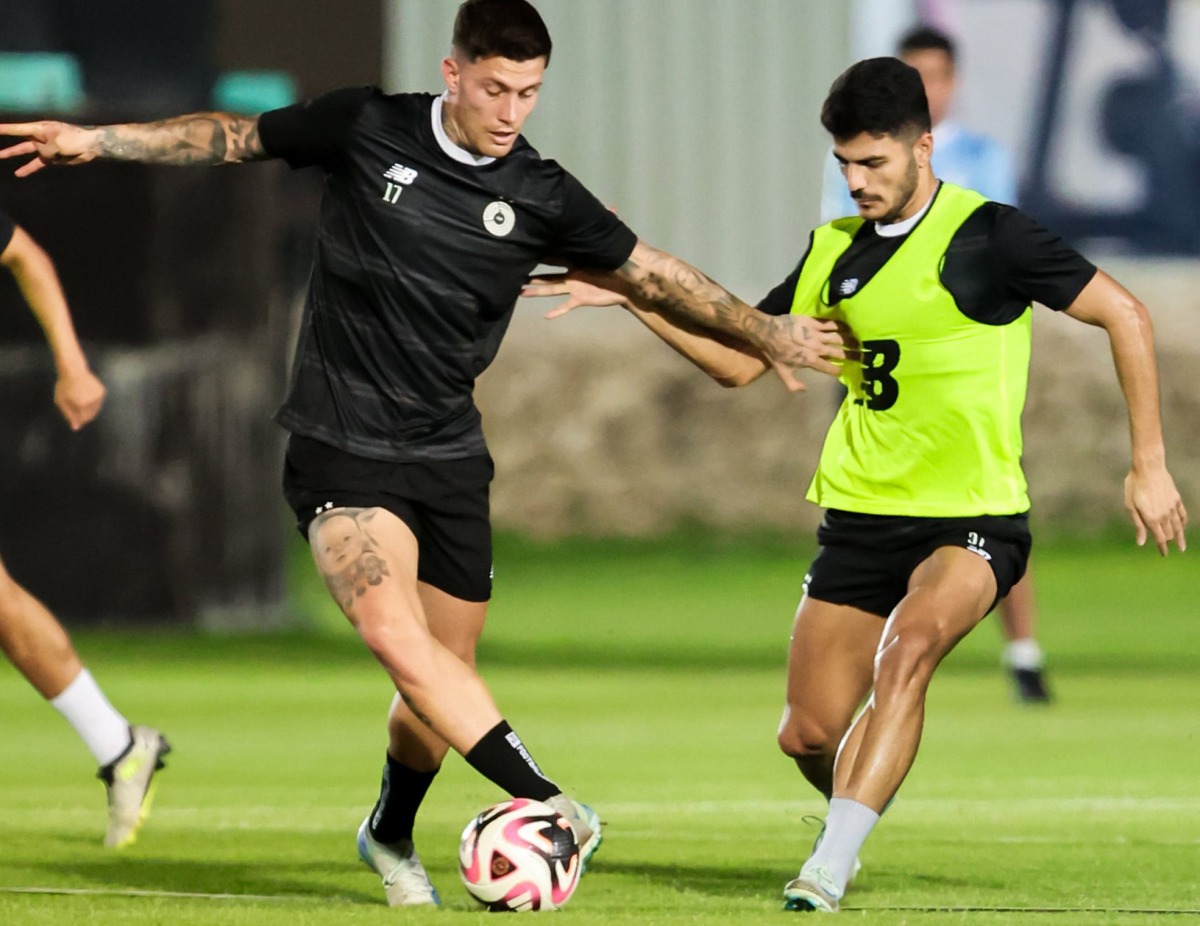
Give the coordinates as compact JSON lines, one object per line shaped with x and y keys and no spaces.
{"x":880,"y":96}
{"x":927,"y":38}
{"x":511,"y":29}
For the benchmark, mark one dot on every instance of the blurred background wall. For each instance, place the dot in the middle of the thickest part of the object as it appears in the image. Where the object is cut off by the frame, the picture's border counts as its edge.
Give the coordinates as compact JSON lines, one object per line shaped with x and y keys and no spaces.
{"x":696,"y":120}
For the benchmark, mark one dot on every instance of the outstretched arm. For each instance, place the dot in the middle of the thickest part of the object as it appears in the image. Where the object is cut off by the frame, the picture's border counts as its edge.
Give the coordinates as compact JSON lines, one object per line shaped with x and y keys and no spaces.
{"x":78,"y":393}
{"x":684,"y":296}
{"x":1151,"y":498}
{"x":199,"y":138}
{"x":685,"y":307}
{"x":730,"y":365}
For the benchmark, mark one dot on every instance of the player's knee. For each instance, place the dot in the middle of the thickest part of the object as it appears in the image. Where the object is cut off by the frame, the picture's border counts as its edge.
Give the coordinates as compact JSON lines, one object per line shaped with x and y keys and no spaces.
{"x":911,"y":655}
{"x":803,"y":734}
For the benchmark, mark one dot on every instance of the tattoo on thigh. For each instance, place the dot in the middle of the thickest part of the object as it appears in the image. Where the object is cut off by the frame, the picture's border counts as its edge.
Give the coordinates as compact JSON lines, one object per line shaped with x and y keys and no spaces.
{"x":346,"y":553}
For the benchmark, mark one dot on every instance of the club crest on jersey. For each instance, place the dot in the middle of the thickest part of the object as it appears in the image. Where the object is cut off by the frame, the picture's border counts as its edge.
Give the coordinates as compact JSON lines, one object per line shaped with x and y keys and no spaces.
{"x":398,"y":177}
{"x":499,"y":218}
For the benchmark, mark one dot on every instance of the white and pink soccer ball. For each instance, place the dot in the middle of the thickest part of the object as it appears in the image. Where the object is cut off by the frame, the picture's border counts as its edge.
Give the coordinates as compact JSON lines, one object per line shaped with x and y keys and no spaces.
{"x":519,"y":855}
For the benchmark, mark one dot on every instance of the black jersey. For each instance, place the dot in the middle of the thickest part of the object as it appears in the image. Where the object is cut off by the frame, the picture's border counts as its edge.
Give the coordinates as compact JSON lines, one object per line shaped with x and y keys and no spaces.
{"x":421,"y":253}
{"x":7,"y":228}
{"x":998,"y":262}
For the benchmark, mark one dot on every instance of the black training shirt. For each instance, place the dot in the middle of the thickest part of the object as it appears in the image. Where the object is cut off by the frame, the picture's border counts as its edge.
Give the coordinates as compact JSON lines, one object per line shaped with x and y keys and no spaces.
{"x":998,"y":262}
{"x":420,"y":257}
{"x":7,"y":227}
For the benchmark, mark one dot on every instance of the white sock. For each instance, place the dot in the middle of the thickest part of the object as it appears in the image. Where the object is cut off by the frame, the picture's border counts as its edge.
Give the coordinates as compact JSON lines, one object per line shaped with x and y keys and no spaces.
{"x":847,"y":827}
{"x":101,"y":727}
{"x":1023,"y":654}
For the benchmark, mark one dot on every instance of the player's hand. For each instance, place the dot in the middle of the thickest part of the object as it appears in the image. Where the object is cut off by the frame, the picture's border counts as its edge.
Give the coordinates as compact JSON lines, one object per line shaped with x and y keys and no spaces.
{"x":79,"y":397}
{"x":49,"y":143}
{"x":801,"y":342}
{"x":1154,"y":504}
{"x":579,"y":292}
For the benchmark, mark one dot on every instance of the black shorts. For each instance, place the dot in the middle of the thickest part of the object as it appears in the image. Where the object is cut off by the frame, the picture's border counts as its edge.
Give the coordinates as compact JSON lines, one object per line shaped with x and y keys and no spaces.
{"x":866,"y":560}
{"x":443,"y":502}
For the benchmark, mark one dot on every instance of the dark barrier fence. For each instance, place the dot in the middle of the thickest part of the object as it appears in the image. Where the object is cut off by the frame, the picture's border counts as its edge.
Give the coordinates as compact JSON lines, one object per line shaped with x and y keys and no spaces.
{"x":167,"y":508}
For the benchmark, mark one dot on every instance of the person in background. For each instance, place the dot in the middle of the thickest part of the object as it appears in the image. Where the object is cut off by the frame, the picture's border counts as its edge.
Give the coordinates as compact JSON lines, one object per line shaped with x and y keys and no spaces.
{"x":32,"y":639}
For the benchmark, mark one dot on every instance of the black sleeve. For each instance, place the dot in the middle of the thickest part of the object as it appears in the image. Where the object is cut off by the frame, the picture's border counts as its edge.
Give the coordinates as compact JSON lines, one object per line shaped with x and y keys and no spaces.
{"x":588,"y":234}
{"x":1035,"y":264}
{"x":779,"y":300}
{"x":315,"y":131}
{"x":7,"y":228}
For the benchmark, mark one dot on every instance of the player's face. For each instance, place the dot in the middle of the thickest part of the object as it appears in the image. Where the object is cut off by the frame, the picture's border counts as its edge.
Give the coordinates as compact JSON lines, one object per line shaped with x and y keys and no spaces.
{"x":489,"y":100}
{"x":883,"y":174}
{"x":937,"y":74}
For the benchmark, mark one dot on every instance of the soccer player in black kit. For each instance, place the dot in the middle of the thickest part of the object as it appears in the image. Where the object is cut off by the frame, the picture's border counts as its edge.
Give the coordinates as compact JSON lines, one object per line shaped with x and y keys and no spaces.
{"x":435,"y":211}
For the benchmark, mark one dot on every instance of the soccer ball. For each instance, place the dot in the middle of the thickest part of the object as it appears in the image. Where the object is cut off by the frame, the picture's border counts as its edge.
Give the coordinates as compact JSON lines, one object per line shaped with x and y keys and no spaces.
{"x":519,"y":855}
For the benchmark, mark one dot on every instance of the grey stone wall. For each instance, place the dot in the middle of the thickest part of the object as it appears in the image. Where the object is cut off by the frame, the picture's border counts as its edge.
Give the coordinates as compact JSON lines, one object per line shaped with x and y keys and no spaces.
{"x":599,"y":428}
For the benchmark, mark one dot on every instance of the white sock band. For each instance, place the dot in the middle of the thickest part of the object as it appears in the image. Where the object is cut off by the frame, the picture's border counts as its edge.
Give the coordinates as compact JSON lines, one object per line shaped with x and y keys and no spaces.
{"x":847,"y":827}
{"x":101,"y":727}
{"x":1023,"y":654}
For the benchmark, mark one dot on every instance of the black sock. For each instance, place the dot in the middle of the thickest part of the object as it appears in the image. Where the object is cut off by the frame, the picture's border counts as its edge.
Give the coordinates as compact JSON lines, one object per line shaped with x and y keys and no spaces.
{"x":502,"y":759}
{"x":400,"y":794}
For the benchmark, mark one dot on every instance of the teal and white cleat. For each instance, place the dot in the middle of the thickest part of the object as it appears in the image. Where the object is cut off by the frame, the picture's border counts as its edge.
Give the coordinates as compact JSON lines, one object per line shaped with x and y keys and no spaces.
{"x":585,"y":823}
{"x":404,"y":878}
{"x":129,"y":781}
{"x":813,"y":890}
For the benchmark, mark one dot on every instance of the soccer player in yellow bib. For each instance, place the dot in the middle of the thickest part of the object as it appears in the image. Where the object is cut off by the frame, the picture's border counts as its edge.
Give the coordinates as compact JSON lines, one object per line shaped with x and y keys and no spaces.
{"x":926,"y":522}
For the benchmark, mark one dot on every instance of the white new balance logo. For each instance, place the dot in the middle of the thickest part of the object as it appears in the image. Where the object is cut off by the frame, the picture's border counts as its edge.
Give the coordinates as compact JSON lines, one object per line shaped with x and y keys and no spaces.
{"x":403,"y":176}
{"x":400,"y":174}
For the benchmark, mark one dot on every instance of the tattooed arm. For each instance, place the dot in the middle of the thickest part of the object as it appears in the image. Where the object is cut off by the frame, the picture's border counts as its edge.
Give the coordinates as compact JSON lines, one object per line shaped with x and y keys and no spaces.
{"x":685,"y":297}
{"x":728,"y":339}
{"x":729,"y":364}
{"x":725,"y":359}
{"x":200,"y":138}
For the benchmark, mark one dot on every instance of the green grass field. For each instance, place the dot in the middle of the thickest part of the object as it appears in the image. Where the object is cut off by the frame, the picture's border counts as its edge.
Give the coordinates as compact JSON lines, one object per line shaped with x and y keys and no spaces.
{"x":647,"y":678}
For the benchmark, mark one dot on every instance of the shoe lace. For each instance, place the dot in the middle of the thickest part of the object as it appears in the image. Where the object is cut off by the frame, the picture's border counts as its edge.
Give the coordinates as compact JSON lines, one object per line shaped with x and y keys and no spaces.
{"x":819,"y":822}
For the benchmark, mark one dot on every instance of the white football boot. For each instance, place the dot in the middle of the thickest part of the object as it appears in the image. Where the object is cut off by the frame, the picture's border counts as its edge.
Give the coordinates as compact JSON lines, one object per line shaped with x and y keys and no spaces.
{"x":129,"y":781}
{"x":813,"y":890}
{"x":404,"y":879}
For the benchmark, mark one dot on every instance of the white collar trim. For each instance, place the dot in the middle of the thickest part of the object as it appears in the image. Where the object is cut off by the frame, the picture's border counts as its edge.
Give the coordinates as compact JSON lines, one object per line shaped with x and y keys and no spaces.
{"x":462,"y":155}
{"x":896,"y":229}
